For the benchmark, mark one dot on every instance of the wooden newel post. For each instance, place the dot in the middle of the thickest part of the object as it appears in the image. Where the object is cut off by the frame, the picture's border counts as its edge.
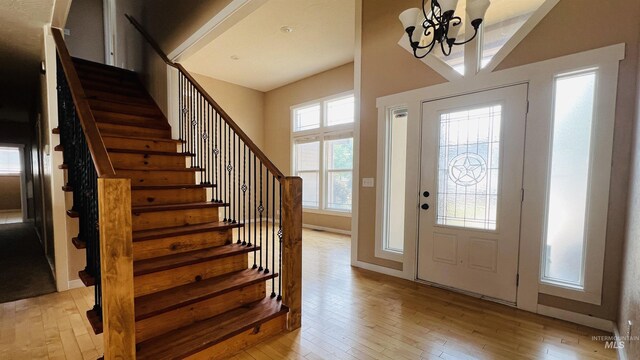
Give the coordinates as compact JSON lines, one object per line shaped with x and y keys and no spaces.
{"x":116,"y":267}
{"x":292,"y":250}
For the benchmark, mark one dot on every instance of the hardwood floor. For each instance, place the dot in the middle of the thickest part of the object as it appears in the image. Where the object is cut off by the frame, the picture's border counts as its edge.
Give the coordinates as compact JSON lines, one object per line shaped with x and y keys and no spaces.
{"x":10,"y":216}
{"x":347,"y":314}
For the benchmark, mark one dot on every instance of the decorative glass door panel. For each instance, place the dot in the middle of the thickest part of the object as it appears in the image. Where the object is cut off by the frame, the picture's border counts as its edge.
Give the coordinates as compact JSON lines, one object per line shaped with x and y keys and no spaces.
{"x":469,"y":168}
{"x":471,"y":186}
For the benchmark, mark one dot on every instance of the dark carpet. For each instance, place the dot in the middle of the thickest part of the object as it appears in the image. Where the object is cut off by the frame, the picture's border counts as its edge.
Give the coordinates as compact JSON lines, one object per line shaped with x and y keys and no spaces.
{"x":24,"y":270}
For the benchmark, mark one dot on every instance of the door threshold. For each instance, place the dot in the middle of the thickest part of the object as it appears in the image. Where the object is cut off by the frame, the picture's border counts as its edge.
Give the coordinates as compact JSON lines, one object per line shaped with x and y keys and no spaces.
{"x":468,"y":293}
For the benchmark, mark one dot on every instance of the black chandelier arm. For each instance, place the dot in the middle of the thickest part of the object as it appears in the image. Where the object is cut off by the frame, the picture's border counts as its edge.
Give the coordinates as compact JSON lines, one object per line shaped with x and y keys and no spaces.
{"x":476,"y":27}
{"x":417,"y":48}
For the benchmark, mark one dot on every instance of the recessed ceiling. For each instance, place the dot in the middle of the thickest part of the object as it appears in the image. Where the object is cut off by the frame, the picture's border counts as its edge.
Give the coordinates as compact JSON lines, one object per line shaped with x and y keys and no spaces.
{"x":21,"y":45}
{"x":281,"y":42}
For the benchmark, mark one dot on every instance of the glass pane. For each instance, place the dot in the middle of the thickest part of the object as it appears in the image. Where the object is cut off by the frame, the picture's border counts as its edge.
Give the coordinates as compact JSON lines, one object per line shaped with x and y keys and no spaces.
{"x":307,"y":118}
{"x":395,"y":173}
{"x":339,"y":154}
{"x":569,"y":178}
{"x":307,"y":156}
{"x":9,"y":161}
{"x":310,"y":189}
{"x":469,"y":168}
{"x":339,"y":184}
{"x":503,"y":19}
{"x":340,"y":111}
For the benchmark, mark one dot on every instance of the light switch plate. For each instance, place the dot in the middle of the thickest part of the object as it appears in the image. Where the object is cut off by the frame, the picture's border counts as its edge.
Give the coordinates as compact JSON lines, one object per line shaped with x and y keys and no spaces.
{"x":368,"y":182}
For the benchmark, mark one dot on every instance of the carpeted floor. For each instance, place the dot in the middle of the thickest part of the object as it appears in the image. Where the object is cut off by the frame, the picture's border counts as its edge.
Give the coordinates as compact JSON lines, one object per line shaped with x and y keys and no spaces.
{"x":24,"y":270}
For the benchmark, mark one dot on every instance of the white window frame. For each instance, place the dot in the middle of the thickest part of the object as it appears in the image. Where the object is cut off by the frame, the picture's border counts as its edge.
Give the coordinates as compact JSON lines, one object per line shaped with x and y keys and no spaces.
{"x":382,"y":195}
{"x":323,"y":133}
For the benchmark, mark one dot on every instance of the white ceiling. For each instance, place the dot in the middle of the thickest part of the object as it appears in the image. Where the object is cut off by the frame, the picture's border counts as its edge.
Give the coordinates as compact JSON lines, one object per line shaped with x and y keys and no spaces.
{"x":21,"y":35}
{"x":323,"y":37}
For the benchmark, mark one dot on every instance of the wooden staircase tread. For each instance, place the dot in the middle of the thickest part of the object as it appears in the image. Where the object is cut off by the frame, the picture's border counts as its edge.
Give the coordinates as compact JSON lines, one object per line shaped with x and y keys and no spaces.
{"x":167,"y":300}
{"x":142,"y":138}
{"x":148,"y":152}
{"x":172,"y":187}
{"x":191,"y":339}
{"x":149,"y":266}
{"x":174,"y":207}
{"x":144,"y":235}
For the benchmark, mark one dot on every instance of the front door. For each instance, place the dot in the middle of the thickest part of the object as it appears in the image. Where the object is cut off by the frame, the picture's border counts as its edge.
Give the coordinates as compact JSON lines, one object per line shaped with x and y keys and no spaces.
{"x":471,"y":191}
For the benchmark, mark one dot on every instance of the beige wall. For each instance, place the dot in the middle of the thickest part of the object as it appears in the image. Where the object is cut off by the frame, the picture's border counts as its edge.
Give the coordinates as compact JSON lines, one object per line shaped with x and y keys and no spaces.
{"x":10,"y":192}
{"x":630,"y":292}
{"x":86,"y":25}
{"x":265,"y":117}
{"x":388,"y":69}
{"x":244,"y":105}
{"x":278,"y":104}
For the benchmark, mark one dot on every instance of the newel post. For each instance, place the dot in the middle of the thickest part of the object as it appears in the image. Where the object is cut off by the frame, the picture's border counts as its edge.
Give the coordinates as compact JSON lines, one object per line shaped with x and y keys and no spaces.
{"x":292,"y":250}
{"x":116,"y":266}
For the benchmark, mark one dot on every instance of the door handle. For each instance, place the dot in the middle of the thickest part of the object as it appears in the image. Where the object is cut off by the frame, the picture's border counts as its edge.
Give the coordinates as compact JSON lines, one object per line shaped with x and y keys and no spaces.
{"x":425,"y":206}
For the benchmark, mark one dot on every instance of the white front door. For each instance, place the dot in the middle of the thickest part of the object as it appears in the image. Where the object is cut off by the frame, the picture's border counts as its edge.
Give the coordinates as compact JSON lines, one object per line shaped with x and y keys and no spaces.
{"x":471,"y":191}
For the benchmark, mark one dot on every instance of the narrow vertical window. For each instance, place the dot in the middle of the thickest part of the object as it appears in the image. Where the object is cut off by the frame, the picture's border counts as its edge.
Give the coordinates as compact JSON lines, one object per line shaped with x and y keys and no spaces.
{"x":339,"y":173}
{"x":395,"y":174}
{"x":307,"y":158}
{"x":568,"y":189}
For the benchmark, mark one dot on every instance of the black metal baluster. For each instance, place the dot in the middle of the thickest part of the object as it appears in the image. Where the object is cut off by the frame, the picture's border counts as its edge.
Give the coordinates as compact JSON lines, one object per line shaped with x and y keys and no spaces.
{"x":266,"y":233}
{"x":260,"y":210}
{"x":214,"y":159}
{"x":244,"y":195}
{"x":234,"y":209}
{"x":180,"y":107}
{"x":255,"y":212}
{"x":273,"y":235}
{"x":280,"y":233}
{"x":226,"y":169}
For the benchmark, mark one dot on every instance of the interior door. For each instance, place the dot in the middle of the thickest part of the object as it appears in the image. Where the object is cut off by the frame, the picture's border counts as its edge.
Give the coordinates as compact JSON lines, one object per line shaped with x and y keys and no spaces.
{"x":471,"y":191}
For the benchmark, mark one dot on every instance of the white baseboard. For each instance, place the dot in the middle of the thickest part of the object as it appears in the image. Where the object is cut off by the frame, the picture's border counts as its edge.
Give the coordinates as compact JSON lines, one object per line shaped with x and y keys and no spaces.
{"x":380,"y":269}
{"x":622,"y":354}
{"x":322,"y":228}
{"x":74,"y":284}
{"x":582,"y":319}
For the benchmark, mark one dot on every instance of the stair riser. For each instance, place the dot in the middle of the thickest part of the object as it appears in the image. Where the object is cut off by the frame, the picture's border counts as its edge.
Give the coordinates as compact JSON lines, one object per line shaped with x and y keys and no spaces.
{"x":235,"y":344}
{"x":100,"y":86}
{"x":162,"y":280}
{"x":126,"y":99}
{"x":125,"y":160}
{"x":174,"y":245}
{"x":157,"y":122}
{"x":141,"y":177}
{"x":115,"y":129}
{"x":140,"y":110}
{"x":163,"y":219}
{"x":132,"y":144}
{"x":170,"y":196}
{"x":190,"y":314}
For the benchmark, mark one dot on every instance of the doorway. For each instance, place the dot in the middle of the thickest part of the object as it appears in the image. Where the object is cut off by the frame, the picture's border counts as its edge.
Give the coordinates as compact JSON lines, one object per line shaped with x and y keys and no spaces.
{"x":12,"y":185}
{"x":471,"y":191}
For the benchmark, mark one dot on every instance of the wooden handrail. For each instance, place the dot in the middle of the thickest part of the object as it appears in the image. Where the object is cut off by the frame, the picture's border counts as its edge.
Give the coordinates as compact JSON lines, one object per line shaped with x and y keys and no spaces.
{"x":223,"y":114}
{"x":103,"y":165}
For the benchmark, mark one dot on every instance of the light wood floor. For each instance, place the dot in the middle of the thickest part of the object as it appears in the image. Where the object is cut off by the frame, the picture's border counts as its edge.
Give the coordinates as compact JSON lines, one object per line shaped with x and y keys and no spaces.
{"x":347,"y":314}
{"x":10,"y":216}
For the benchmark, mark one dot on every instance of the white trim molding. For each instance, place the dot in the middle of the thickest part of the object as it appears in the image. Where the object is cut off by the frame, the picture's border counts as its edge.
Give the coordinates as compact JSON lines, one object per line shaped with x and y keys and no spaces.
{"x":582,"y":319}
{"x":540,"y":77}
{"x":327,"y":229}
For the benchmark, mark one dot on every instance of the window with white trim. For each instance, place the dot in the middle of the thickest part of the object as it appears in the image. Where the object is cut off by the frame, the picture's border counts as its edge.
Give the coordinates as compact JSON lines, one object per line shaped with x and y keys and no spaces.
{"x":322,"y":152}
{"x":10,"y":161}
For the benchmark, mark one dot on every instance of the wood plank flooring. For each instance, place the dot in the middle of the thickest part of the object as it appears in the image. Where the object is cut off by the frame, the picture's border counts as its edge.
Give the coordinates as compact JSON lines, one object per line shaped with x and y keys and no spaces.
{"x":347,"y":314}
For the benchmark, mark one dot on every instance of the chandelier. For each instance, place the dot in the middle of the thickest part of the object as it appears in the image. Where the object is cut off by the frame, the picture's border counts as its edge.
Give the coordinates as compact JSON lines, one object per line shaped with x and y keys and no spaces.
{"x":438,"y":25}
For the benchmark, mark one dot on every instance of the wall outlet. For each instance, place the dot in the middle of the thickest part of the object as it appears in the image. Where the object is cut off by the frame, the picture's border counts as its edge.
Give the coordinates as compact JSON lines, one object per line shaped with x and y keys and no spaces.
{"x":67,"y":32}
{"x":368,"y":182}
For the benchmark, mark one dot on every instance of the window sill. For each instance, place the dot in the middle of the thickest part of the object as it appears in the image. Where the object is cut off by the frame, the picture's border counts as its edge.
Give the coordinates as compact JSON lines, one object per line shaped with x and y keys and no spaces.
{"x":327,"y":212}
{"x":571,"y":293}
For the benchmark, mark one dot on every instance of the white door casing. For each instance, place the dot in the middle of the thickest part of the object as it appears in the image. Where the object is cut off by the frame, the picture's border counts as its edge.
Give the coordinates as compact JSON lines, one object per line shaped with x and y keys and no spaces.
{"x":471,"y":166}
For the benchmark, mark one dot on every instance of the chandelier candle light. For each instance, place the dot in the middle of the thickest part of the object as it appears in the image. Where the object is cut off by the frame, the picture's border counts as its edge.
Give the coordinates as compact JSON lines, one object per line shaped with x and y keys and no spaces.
{"x":438,"y":24}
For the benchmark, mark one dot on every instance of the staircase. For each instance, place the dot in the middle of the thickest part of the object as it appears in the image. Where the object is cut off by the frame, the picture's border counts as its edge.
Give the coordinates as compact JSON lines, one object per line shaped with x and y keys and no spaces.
{"x":197,"y":290}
